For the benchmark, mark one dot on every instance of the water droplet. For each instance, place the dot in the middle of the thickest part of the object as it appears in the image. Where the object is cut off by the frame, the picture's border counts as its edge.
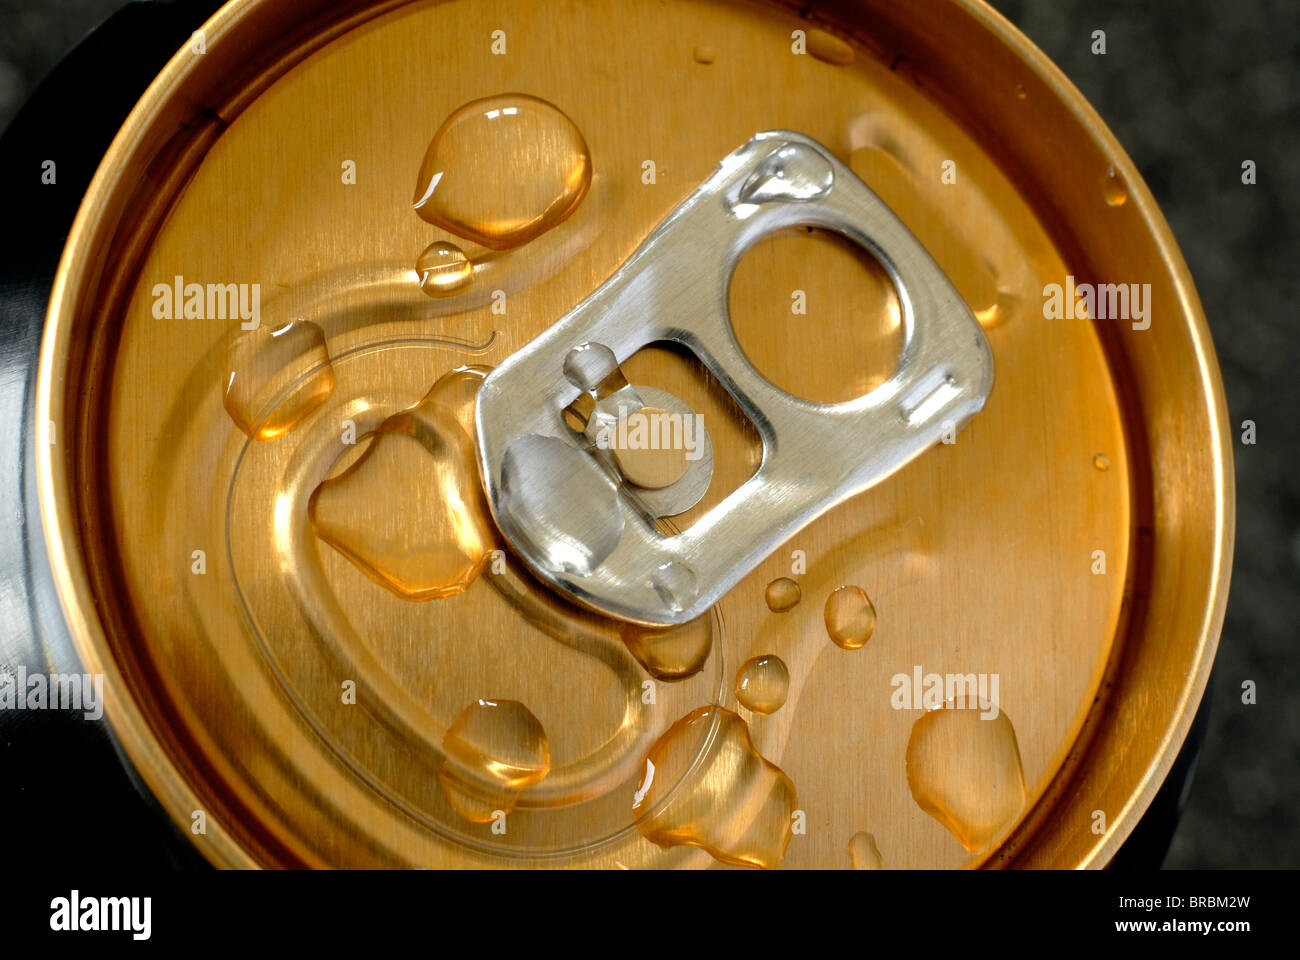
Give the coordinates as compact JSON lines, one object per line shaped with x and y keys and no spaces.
{"x":863,"y":852}
{"x":1101,"y":462}
{"x":670,"y":653}
{"x":588,"y":365}
{"x":762,"y":684}
{"x":503,"y":170}
{"x":850,"y":617}
{"x":1021,"y":92}
{"x":495,"y":750}
{"x":782,"y":594}
{"x":735,"y":804}
{"x":410,"y":511}
{"x":704,"y":54}
{"x":964,"y":770}
{"x":558,"y":500}
{"x":443,"y":269}
{"x":675,"y":582}
{"x":793,"y":171}
{"x":829,"y":48}
{"x":276,"y":378}
{"x":1113,"y":189}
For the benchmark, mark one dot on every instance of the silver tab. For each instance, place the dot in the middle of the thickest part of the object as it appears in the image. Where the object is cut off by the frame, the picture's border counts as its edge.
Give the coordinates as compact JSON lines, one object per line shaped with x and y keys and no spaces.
{"x":566,"y":511}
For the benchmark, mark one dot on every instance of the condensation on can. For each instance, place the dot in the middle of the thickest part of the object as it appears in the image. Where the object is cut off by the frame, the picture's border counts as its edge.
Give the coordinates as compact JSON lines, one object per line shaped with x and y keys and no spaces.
{"x":265,"y":529}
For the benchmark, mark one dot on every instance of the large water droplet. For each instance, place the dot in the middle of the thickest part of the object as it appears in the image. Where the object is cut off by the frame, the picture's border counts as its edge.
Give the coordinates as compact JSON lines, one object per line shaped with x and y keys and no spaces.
{"x":276,"y":378}
{"x":963,"y":769}
{"x":495,"y":750}
{"x":735,"y":804}
{"x":559,"y":501}
{"x":410,"y":511}
{"x":503,"y":170}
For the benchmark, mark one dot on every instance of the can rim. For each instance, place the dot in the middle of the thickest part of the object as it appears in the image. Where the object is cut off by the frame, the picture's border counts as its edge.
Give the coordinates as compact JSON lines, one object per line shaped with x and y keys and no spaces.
{"x":1210,"y":384}
{"x":127,"y":720}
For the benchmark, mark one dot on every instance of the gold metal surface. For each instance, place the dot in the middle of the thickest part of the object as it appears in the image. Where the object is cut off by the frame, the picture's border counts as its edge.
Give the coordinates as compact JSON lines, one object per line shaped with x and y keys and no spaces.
{"x":224,"y":687}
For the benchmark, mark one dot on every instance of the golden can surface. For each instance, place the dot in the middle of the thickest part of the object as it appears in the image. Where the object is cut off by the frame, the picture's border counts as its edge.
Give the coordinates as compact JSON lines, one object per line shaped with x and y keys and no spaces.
{"x":311,"y":242}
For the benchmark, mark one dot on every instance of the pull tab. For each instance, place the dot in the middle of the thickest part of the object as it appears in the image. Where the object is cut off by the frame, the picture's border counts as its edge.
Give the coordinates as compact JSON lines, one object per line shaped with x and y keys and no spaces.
{"x":581,"y":511}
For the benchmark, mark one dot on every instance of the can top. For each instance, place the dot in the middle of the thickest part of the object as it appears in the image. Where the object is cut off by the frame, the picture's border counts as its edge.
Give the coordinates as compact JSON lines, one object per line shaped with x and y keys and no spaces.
{"x":264,"y":508}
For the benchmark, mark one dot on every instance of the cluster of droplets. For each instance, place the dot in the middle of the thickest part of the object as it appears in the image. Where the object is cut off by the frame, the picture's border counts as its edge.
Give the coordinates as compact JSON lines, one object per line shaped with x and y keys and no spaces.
{"x":962,"y":770}
{"x":498,"y":173}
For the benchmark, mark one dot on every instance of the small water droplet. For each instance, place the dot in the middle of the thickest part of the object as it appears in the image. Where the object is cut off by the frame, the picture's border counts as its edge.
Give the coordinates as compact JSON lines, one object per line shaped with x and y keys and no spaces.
{"x":1021,"y":92}
{"x":793,"y":171}
{"x":850,"y":617}
{"x":863,"y":852}
{"x":276,"y":377}
{"x":495,"y":750}
{"x":704,"y":54}
{"x":829,"y":48}
{"x":1113,"y":189}
{"x":443,"y":269}
{"x":410,"y":511}
{"x":762,"y":684}
{"x":1101,"y":462}
{"x":503,"y":170}
{"x":590,"y":364}
{"x":964,"y":770}
{"x":782,"y":594}
{"x":735,"y":804}
{"x":675,"y":582}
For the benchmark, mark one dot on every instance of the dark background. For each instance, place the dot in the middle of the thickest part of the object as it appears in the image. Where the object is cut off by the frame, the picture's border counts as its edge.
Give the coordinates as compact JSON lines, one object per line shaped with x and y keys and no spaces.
{"x":1191,"y":88}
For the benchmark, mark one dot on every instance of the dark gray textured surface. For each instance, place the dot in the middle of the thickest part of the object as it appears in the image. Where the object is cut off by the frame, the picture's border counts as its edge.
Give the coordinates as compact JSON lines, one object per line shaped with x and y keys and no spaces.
{"x":34,"y":35}
{"x":1191,"y":88}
